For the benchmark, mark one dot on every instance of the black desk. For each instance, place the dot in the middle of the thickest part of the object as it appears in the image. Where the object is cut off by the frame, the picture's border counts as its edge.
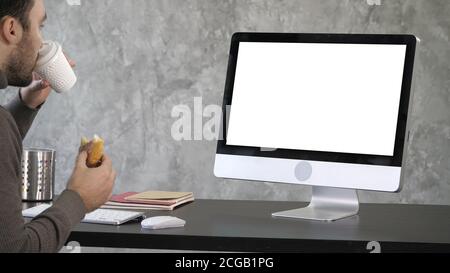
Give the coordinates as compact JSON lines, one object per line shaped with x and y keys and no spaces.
{"x":229,"y":225}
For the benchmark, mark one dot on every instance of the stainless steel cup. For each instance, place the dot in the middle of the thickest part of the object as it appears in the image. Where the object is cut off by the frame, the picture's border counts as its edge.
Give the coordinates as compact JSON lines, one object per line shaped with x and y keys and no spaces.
{"x":38,"y":174}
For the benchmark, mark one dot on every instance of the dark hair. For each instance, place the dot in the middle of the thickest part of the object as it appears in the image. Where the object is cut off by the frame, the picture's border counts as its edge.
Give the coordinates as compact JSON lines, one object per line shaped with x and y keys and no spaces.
{"x":18,"y":9}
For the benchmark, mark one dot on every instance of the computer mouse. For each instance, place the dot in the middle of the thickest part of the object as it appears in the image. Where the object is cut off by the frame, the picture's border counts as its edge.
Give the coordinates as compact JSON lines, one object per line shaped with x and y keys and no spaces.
{"x":158,"y":222}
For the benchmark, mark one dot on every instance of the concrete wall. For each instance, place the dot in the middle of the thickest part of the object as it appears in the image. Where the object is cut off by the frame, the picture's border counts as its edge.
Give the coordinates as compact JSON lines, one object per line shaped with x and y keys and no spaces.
{"x":137,"y":59}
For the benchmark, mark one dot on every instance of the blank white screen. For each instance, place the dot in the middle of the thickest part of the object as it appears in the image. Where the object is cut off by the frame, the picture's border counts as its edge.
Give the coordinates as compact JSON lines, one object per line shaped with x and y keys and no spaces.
{"x":319,"y":97}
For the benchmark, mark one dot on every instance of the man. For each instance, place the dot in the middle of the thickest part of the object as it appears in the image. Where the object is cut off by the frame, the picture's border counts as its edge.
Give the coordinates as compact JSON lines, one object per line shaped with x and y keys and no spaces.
{"x":87,"y":189}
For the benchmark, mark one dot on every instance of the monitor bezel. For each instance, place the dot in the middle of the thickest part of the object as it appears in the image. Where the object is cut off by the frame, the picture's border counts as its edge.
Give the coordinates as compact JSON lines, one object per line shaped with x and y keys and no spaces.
{"x":401,"y":131}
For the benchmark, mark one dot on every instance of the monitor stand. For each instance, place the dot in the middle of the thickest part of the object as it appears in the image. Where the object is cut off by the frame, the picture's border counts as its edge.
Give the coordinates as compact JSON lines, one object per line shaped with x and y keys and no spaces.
{"x":327,"y":204}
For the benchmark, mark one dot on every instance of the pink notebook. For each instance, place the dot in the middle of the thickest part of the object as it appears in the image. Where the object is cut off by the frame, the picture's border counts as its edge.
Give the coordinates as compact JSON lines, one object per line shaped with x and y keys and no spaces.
{"x":120,"y":198}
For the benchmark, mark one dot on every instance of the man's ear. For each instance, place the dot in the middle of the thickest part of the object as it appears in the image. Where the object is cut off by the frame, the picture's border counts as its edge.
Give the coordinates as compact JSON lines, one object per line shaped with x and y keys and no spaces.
{"x":11,"y":30}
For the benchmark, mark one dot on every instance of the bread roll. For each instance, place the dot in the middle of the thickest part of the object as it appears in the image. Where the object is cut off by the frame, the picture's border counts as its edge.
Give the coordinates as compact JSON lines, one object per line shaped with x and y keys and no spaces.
{"x":95,"y":152}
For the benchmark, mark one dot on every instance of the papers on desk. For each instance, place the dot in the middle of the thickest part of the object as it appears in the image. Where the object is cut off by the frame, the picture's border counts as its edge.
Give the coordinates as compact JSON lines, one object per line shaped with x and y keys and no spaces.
{"x":149,"y":200}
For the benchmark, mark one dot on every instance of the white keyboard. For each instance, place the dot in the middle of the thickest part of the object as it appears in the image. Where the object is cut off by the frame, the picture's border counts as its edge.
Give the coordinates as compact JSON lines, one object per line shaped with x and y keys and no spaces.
{"x":99,"y":216}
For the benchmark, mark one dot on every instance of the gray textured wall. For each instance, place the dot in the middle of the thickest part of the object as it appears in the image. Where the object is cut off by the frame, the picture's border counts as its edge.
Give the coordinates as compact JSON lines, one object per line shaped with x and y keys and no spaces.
{"x":137,"y":59}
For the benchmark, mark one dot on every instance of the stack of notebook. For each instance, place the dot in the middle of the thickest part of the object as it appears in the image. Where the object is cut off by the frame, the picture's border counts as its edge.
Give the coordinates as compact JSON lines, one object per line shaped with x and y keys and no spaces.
{"x":149,"y":200}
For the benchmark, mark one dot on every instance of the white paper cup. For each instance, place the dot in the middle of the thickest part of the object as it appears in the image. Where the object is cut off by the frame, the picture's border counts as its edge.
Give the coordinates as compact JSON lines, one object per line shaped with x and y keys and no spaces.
{"x":53,"y":66}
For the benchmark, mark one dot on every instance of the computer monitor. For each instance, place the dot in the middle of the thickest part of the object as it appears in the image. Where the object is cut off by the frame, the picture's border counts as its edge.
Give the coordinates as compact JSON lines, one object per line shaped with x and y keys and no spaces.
{"x":326,"y":110}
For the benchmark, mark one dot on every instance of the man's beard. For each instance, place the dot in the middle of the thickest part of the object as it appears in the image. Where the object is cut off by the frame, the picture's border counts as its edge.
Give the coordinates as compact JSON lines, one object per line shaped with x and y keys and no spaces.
{"x":19,"y":69}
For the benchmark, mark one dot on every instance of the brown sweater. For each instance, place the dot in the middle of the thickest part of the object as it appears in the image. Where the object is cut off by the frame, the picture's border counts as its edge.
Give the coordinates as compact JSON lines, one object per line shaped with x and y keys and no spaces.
{"x":49,"y":231}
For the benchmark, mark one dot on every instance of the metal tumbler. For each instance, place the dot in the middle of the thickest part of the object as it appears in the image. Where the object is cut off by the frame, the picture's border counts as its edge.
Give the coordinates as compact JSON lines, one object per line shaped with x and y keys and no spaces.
{"x":38,"y":174}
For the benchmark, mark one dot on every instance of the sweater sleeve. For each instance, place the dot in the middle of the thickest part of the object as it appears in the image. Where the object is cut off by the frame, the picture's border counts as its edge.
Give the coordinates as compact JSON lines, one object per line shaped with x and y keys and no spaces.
{"x":49,"y":231}
{"x":22,"y":114}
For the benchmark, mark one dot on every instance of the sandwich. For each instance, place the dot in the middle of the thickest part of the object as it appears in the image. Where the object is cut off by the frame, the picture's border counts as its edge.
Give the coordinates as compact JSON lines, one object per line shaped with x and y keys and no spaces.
{"x":95,"y":151}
